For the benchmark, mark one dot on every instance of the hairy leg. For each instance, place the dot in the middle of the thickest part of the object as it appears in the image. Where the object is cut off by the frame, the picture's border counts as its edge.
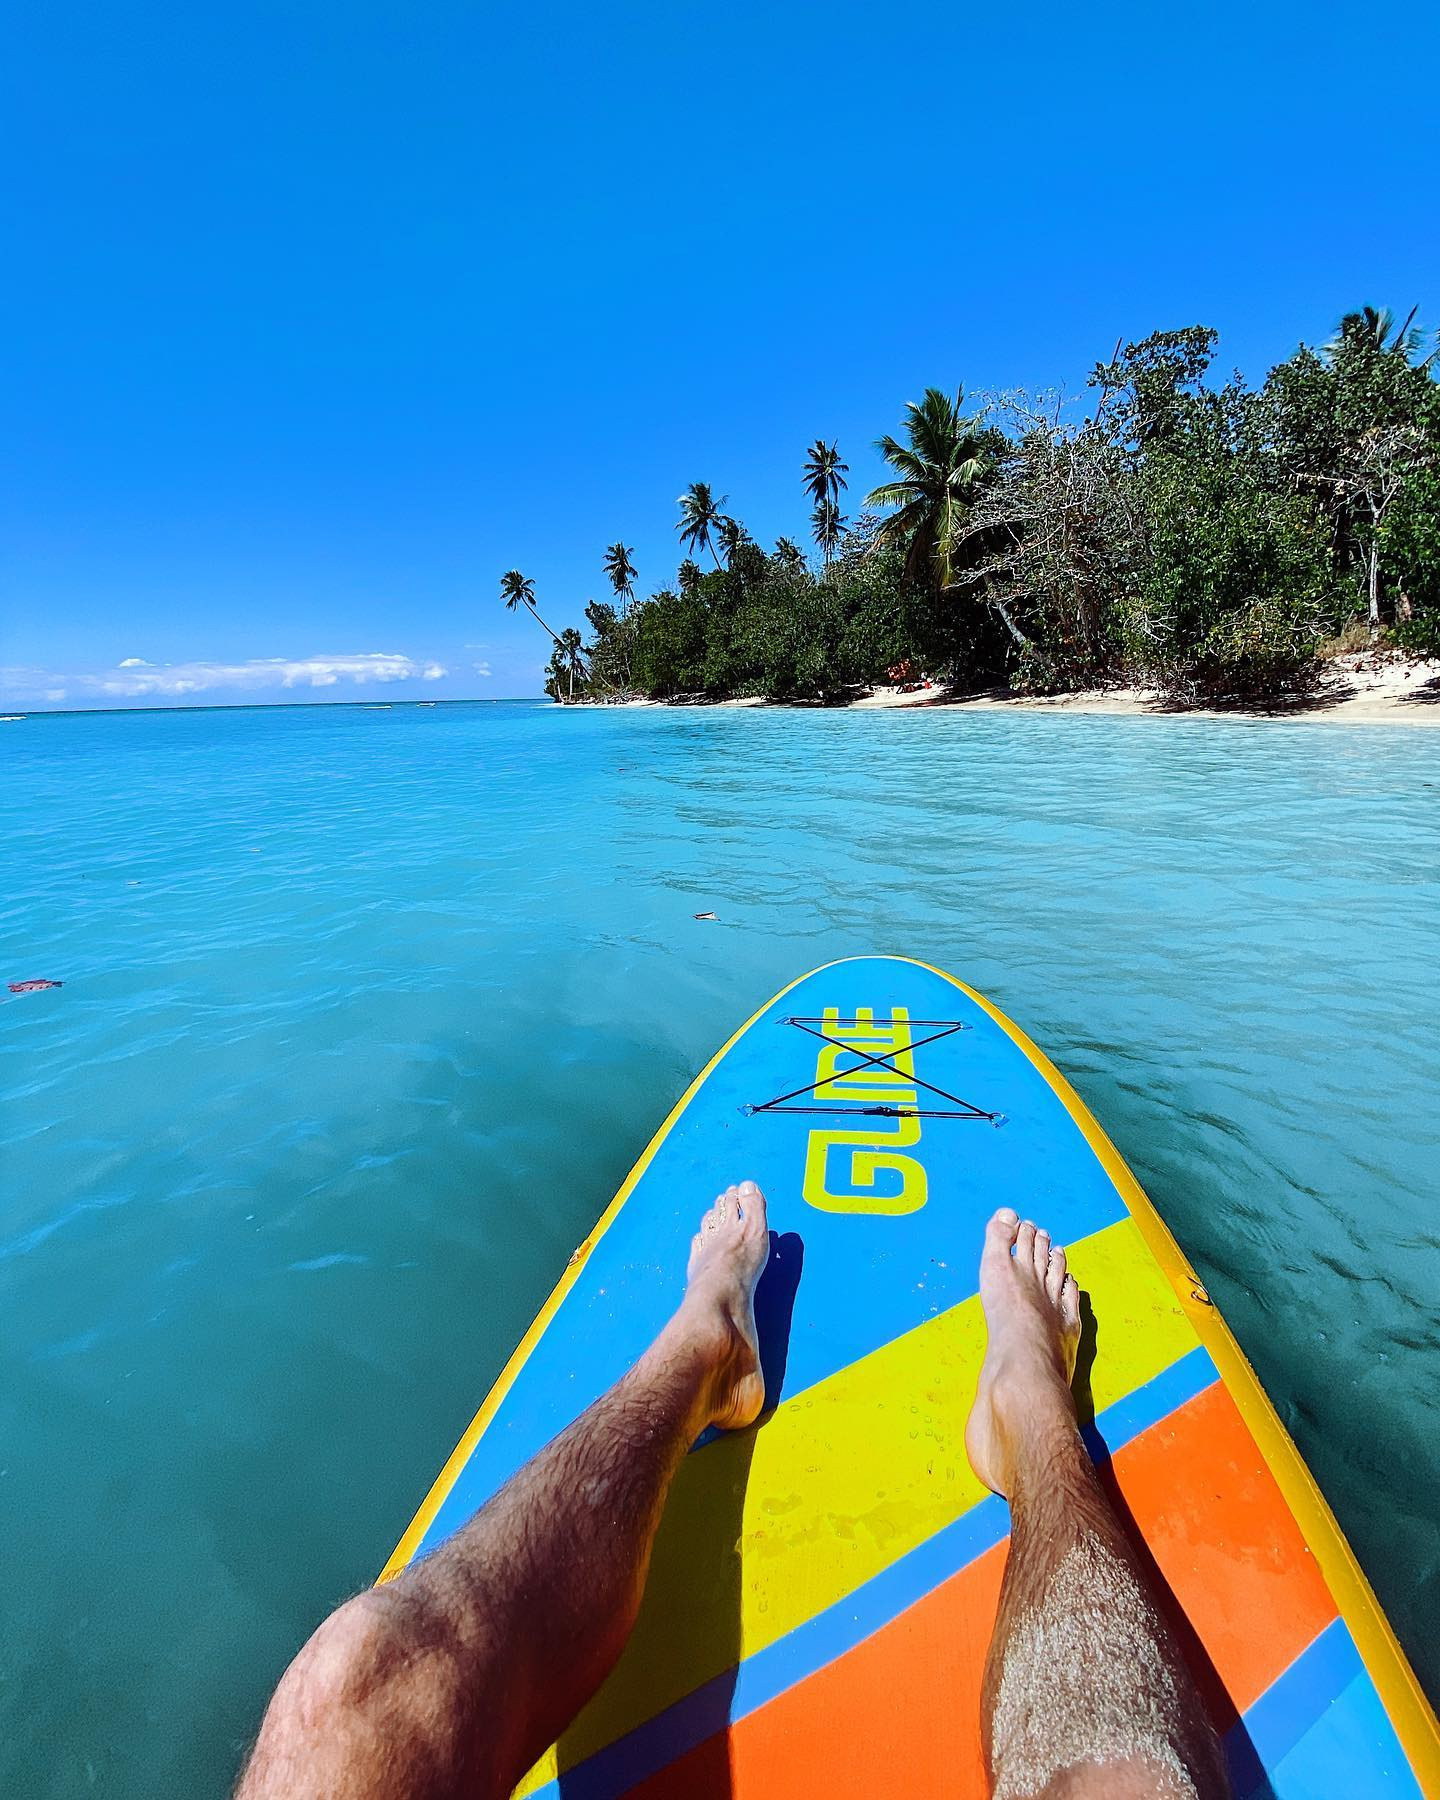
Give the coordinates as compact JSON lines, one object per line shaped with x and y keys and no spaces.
{"x":452,"y":1679}
{"x":1085,"y":1690}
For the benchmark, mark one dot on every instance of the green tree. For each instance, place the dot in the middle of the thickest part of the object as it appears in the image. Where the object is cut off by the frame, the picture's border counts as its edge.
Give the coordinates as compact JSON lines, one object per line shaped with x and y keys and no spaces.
{"x":1154,"y":382}
{"x":670,"y":644}
{"x":610,"y":653}
{"x":789,"y":554}
{"x":1412,"y":550}
{"x":939,"y":473}
{"x":1229,"y":574}
{"x":1358,"y":423}
{"x":700,"y":516}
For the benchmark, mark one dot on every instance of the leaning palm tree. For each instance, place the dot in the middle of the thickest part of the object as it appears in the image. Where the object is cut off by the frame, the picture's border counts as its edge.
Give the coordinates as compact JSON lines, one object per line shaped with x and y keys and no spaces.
{"x":824,"y":475}
{"x":518,"y":590}
{"x":700,"y":515}
{"x":621,"y":572}
{"x":940,"y":473}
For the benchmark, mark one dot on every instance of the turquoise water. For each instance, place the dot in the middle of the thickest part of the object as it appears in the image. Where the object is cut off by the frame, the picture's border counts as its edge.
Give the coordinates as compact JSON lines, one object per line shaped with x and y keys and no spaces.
{"x":366,"y":1013}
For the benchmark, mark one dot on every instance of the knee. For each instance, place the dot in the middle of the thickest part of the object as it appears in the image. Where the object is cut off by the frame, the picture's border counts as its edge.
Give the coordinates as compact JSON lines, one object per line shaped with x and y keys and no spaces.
{"x":356,"y":1654}
{"x":368,"y":1706}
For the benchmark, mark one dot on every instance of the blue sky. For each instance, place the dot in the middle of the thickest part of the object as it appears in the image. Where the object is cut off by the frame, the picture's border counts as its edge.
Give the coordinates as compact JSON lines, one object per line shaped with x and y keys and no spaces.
{"x":319,"y":318}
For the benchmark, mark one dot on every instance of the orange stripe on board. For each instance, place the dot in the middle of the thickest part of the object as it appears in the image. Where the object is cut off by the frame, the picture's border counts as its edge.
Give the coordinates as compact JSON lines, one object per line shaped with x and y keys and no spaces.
{"x":900,"y":1712}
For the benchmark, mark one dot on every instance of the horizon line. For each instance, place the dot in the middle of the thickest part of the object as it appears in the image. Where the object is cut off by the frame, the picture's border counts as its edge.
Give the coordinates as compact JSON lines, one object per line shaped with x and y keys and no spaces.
{"x":85,"y":712}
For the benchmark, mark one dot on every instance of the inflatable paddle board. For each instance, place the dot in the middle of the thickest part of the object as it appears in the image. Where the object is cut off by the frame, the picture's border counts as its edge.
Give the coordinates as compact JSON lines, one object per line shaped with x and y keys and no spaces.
{"x":824,"y":1584}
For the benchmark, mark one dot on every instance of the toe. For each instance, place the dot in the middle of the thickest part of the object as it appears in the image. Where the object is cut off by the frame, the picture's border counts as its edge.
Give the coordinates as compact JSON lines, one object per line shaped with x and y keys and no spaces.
{"x":752,"y":1205}
{"x":1042,"y":1251}
{"x":1025,"y":1245}
{"x":1070,"y":1304}
{"x":999,"y":1236}
{"x":1055,"y":1275}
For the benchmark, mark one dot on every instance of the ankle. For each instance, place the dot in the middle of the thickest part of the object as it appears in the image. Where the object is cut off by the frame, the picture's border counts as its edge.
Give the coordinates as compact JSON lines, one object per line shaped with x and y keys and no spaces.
{"x":1042,"y":1454}
{"x":703,"y":1340}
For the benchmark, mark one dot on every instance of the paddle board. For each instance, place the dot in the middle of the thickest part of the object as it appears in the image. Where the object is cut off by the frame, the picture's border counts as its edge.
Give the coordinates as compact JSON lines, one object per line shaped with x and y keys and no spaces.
{"x":824,"y":1585}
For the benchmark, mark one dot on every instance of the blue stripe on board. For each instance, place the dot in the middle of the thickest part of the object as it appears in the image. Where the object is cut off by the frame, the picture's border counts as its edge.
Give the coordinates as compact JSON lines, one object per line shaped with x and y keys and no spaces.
{"x":1319,"y":1730}
{"x":760,"y":1678}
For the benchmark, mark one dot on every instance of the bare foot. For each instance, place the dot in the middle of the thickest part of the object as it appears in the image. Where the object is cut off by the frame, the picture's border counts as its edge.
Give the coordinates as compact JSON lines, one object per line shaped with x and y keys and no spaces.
{"x":1032,"y":1315}
{"x":726,"y":1257}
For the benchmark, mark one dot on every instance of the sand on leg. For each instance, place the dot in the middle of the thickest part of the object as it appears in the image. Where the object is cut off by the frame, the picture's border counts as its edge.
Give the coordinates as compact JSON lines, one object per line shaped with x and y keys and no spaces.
{"x":1085,"y":1691}
{"x":452,"y":1678}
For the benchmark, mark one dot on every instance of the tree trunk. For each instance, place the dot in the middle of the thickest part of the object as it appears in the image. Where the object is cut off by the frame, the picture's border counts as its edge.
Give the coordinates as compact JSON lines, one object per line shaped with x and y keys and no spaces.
{"x":541,"y":623}
{"x":1015,"y":632}
{"x":1374,"y":581}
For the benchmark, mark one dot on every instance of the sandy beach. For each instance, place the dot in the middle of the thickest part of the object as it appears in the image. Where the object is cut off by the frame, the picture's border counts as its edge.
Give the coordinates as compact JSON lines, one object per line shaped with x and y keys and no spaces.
{"x":1383,"y":688}
{"x":1360,"y":689}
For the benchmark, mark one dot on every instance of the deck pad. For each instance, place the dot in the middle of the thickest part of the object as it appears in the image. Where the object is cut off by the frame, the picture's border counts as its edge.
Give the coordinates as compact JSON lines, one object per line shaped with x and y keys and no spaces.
{"x":823,"y":1586}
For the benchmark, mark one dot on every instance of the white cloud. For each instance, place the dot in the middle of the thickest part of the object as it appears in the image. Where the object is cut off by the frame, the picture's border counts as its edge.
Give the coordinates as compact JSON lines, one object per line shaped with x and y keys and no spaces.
{"x":136,"y":679}
{"x":482,"y":668}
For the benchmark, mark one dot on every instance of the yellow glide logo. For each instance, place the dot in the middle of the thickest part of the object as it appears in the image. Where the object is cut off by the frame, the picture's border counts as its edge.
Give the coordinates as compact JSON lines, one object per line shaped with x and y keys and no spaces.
{"x":850,"y":1170}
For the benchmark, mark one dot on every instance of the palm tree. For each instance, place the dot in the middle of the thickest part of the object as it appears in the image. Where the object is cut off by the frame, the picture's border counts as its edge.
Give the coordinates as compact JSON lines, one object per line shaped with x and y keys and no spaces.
{"x":824,"y":475}
{"x":787,"y":551}
{"x":731,"y":534}
{"x":700,"y":515}
{"x":1373,"y":328}
{"x":688,"y":576}
{"x":825,"y":524}
{"x":941,"y":471}
{"x":621,"y":572}
{"x":518,"y":590}
{"x":568,"y":656}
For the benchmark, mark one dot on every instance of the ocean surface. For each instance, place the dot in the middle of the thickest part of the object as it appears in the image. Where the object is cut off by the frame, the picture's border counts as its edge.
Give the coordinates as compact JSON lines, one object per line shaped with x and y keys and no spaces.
{"x":366,"y":1013}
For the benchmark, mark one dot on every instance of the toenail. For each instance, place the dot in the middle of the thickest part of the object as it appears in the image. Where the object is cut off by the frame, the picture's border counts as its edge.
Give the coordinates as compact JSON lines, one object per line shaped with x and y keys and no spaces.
{"x":1007,"y":1215}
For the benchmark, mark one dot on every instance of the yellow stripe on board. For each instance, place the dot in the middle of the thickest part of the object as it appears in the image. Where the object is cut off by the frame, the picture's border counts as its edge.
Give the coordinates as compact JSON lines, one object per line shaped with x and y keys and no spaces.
{"x":766,"y":1528}
{"x":1380,"y":1650}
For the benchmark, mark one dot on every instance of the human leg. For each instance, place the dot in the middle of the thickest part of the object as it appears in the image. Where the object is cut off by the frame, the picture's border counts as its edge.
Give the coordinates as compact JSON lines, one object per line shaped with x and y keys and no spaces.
{"x":1085,"y":1691}
{"x":453,"y":1677}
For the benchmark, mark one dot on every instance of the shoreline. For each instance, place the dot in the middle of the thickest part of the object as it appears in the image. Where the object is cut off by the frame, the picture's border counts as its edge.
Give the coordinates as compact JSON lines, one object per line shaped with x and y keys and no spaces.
{"x":1362,"y":688}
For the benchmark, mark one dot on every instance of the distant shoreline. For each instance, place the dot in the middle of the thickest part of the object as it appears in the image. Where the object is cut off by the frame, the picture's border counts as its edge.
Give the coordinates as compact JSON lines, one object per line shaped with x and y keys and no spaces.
{"x":1357,"y":689}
